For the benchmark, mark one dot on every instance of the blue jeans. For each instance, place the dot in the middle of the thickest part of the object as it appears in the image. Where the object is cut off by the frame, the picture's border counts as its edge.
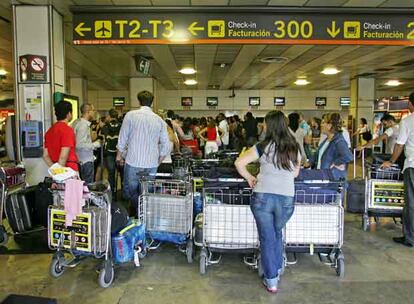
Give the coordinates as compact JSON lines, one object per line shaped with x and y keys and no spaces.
{"x":87,"y":172}
{"x":271,"y":212}
{"x":132,"y":178}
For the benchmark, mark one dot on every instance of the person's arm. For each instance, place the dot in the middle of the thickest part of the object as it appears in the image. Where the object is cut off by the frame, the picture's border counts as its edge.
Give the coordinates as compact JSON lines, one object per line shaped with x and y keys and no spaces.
{"x":241,"y":165}
{"x":296,"y":169}
{"x":343,"y":155}
{"x":374,"y":141}
{"x":64,"y":155}
{"x":221,"y":132}
{"x":164,"y":142}
{"x":47,"y":158}
{"x":399,"y":146}
{"x":200,"y":134}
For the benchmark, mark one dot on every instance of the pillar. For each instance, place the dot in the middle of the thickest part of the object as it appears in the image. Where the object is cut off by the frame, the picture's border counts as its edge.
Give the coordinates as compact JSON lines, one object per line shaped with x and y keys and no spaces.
{"x":138,"y":84}
{"x":362,"y":100}
{"x":79,"y":88}
{"x":38,"y":31}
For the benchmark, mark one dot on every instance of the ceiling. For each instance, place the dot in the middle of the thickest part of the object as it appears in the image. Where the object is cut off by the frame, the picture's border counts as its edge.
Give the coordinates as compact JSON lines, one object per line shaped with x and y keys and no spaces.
{"x":243,"y":69}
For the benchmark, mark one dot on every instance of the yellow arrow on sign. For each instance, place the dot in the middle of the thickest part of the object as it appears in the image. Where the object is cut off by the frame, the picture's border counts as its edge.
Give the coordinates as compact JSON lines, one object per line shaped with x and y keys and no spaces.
{"x":333,"y":31}
{"x":193,"y":28}
{"x":80,"y":29}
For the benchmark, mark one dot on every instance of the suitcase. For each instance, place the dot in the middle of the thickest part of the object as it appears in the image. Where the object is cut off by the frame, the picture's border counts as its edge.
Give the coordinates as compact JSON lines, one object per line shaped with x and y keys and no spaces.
{"x":355,"y":195}
{"x":11,"y":175}
{"x":19,"y":209}
{"x":43,"y":199}
{"x":355,"y":199}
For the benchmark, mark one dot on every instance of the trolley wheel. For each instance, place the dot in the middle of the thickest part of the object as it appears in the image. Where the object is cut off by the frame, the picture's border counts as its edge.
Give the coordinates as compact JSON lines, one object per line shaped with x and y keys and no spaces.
{"x":340,"y":267}
{"x":203,"y":261}
{"x":55,"y":268}
{"x":189,"y":251}
{"x":259,"y":267}
{"x":3,"y":236}
{"x":106,"y":274}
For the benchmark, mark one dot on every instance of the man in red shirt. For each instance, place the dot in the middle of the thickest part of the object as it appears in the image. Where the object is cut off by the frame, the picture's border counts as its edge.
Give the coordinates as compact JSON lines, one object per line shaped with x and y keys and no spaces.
{"x":60,"y":140}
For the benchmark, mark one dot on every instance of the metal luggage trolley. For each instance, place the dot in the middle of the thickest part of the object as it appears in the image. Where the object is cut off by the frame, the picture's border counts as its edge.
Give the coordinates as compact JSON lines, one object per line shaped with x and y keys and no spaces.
{"x":89,"y":235}
{"x":166,"y":209}
{"x":12,"y":180}
{"x":384,"y":194}
{"x":228,"y":224}
{"x":317,"y":224}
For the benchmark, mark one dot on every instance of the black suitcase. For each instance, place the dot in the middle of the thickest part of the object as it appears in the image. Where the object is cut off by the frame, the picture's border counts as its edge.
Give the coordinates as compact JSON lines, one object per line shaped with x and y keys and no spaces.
{"x":355,"y":198}
{"x":19,"y":209}
{"x":43,"y":199}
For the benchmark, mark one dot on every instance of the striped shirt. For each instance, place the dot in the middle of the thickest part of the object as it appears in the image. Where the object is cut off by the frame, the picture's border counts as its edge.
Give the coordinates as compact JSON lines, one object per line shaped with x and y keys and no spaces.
{"x":144,"y":138}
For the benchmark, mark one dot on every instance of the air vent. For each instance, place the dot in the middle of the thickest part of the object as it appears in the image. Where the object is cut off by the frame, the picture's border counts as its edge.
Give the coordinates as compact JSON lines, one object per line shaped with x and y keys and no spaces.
{"x":214,"y":86}
{"x":405,"y":63}
{"x":383,"y":70}
{"x":366,"y":74}
{"x":280,"y":87}
{"x":272,"y":59}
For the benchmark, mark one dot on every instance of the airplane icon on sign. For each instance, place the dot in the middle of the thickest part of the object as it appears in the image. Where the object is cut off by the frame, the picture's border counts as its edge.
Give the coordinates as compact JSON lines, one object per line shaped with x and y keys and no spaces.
{"x":103,"y":29}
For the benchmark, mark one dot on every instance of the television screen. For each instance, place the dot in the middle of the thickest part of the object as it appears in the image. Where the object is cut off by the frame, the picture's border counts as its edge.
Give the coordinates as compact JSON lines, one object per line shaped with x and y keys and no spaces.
{"x":279,"y":101}
{"x":320,"y":101}
{"x":118,"y":101}
{"x":345,"y":101}
{"x":212,"y":101}
{"x":186,"y":101}
{"x":254,"y":101}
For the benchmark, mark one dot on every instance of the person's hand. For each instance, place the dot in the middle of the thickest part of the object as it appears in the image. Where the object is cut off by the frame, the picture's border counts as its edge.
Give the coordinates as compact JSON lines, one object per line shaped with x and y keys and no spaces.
{"x":387,"y":164}
{"x":252,"y":181}
{"x":306,"y":164}
{"x":96,"y":144}
{"x":339,"y":167}
{"x":120,"y":161}
{"x":360,"y":148}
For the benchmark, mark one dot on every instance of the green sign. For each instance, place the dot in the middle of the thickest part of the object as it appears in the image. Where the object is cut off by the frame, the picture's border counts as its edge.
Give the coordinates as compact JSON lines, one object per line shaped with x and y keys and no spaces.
{"x":267,"y":27}
{"x":143,"y":65}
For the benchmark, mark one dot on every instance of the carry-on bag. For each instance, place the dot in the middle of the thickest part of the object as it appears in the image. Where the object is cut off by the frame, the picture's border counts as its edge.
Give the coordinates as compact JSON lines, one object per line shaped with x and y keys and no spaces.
{"x":355,"y":196}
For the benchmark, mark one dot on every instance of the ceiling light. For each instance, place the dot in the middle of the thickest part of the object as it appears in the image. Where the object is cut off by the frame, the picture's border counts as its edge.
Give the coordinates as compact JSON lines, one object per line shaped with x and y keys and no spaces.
{"x":330,"y":71}
{"x":223,"y":65}
{"x":3,"y":72}
{"x":190,"y":82}
{"x":301,"y":82}
{"x":393,"y":83}
{"x":187,"y":71}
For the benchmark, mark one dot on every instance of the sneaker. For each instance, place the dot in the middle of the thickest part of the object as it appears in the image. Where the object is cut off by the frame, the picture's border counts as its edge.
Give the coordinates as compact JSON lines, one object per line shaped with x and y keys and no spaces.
{"x":271,"y":289}
{"x":403,"y":241}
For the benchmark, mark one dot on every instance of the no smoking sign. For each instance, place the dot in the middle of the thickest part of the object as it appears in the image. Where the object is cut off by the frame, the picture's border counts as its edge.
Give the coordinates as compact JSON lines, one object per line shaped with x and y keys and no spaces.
{"x":33,"y":68}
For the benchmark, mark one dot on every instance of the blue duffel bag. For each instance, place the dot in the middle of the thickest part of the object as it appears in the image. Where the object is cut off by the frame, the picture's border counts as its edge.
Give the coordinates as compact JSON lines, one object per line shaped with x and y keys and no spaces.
{"x":314,"y":193}
{"x":127,"y":241}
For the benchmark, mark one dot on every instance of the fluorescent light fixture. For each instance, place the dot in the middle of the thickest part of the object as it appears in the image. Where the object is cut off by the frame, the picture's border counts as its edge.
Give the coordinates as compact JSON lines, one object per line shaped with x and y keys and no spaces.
{"x":223,"y":65}
{"x":187,"y":71}
{"x":3,"y":72}
{"x":190,"y":82}
{"x":330,"y":71}
{"x":301,"y":82}
{"x":393,"y":83}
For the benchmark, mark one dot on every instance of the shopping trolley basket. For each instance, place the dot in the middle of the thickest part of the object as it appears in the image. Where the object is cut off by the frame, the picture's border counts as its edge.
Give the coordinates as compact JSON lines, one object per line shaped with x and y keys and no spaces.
{"x":89,"y":235}
{"x":228,"y":224}
{"x":317,"y":224}
{"x":166,"y":208}
{"x":384,"y":194}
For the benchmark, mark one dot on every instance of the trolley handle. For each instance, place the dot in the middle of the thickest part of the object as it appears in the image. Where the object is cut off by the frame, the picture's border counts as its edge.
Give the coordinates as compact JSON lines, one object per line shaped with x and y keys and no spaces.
{"x":363,"y":163}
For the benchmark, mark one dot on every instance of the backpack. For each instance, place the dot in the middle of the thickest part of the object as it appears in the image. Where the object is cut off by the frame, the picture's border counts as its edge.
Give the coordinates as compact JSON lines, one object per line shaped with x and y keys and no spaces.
{"x":111,"y":136}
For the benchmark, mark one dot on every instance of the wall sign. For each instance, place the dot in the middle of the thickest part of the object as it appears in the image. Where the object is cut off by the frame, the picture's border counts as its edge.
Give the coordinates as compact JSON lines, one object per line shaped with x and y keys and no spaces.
{"x":33,"y":68}
{"x":271,"y":27}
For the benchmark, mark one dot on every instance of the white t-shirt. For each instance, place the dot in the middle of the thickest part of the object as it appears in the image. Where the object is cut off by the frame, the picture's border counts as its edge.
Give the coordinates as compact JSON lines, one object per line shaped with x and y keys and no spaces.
{"x":406,"y":138}
{"x":223,"y":125}
{"x":322,"y":150}
{"x":392,"y":134}
{"x":346,"y":136}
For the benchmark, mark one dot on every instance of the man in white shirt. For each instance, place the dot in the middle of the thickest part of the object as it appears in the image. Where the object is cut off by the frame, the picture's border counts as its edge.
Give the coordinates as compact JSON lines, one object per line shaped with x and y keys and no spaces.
{"x":224,"y":126}
{"x":405,"y":142}
{"x":84,"y":145}
{"x":143,"y":139}
{"x":390,"y":135}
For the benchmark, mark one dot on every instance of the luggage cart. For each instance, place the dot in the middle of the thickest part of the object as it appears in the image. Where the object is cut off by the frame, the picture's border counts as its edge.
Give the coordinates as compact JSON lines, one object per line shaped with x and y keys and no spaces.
{"x":384,"y":194}
{"x":317,"y":224}
{"x":89,"y":236}
{"x":228,"y":225}
{"x":166,"y":209}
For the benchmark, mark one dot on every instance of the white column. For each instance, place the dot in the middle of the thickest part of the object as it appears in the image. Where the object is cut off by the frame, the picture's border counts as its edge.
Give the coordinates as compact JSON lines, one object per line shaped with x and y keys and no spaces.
{"x":138,"y":84}
{"x":79,"y":88}
{"x":38,"y":30}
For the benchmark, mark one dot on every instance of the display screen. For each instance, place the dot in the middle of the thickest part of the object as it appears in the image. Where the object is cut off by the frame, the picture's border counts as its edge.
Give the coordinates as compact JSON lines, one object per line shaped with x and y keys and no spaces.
{"x":212,"y":101}
{"x":320,"y":101}
{"x":254,"y":101}
{"x":279,"y":101}
{"x":345,"y":101}
{"x":118,"y":101}
{"x":186,"y":101}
